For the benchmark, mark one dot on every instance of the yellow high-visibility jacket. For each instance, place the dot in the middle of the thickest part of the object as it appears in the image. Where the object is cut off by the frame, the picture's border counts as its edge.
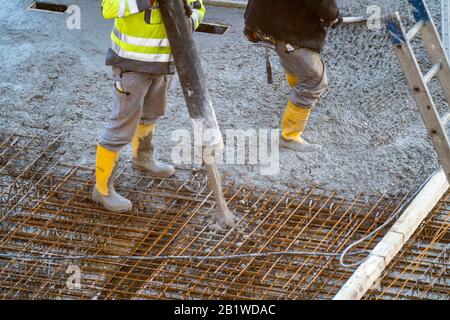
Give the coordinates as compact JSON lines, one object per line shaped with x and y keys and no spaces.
{"x":139,"y":38}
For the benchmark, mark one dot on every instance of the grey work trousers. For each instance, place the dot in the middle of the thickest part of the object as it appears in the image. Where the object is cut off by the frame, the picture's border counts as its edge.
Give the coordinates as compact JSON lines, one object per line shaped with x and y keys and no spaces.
{"x":138,"y":98}
{"x":310,"y":70}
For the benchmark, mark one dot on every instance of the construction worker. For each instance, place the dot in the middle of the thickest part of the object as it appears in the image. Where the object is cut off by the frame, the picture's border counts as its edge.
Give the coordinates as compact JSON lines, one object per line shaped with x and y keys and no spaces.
{"x":142,"y":66}
{"x":298,"y":30}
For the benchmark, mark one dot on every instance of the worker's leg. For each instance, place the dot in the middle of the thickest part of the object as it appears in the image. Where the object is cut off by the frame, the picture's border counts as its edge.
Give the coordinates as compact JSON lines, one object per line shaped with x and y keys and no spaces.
{"x":130,"y":88}
{"x":292,"y":79}
{"x":311,"y":84}
{"x":143,"y":147}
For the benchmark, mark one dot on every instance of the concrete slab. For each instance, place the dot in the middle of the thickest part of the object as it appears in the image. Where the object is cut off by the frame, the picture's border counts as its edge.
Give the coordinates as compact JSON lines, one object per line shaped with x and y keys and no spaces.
{"x":373,"y":137}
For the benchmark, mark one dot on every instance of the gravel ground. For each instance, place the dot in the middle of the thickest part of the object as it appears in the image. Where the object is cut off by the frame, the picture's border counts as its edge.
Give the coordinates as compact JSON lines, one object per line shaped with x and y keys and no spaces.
{"x":374,"y":140}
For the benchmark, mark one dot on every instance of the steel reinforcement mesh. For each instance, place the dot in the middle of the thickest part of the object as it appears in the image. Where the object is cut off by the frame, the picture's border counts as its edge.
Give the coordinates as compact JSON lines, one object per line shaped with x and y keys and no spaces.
{"x":45,"y":209}
{"x":422,"y":269}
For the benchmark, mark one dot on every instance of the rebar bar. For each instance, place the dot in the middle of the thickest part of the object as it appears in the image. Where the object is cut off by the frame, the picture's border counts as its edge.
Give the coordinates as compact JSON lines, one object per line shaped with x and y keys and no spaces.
{"x":422,"y":269}
{"x":45,"y":209}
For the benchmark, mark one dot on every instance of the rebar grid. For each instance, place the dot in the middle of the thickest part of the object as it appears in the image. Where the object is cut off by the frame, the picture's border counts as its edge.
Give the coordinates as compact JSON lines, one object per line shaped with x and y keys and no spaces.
{"x":45,"y":208}
{"x":422,"y":269}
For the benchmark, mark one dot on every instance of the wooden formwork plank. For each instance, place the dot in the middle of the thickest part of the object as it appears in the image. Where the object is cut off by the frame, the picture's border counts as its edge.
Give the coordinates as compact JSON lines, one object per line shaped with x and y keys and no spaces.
{"x":371,"y":270}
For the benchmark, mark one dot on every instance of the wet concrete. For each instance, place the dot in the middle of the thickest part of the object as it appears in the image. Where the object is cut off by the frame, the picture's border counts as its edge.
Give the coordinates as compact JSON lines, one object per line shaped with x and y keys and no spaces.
{"x":374,"y":140}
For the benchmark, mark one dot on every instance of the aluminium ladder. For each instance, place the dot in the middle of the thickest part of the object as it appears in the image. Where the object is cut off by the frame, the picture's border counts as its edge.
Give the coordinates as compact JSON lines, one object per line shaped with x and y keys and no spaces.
{"x":445,"y":25}
{"x":418,"y":82}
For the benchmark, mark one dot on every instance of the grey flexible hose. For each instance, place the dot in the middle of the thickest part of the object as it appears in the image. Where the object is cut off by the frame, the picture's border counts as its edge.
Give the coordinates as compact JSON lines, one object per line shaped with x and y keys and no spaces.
{"x":384,"y":225}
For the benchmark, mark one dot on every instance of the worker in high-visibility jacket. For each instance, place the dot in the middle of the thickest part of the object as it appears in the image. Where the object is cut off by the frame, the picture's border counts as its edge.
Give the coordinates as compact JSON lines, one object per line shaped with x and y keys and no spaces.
{"x":142,"y":66}
{"x":298,"y":31}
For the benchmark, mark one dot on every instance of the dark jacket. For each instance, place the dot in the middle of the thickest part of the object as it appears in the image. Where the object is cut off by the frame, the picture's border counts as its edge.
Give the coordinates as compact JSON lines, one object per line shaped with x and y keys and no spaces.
{"x":301,"y":23}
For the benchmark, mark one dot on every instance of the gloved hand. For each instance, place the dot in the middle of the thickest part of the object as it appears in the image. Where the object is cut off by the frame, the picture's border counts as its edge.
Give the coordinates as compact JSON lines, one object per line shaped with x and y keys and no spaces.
{"x":338,"y":21}
{"x":188,"y":8}
{"x":189,"y":13}
{"x":251,"y":36}
{"x":333,"y":24}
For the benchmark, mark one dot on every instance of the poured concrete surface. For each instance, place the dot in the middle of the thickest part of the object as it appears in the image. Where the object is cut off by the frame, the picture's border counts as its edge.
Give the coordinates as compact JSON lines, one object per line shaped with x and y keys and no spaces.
{"x":374,"y":140}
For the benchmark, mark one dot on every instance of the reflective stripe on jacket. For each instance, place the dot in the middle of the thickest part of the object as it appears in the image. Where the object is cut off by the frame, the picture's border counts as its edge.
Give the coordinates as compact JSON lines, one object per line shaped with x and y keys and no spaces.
{"x":139,"y":33}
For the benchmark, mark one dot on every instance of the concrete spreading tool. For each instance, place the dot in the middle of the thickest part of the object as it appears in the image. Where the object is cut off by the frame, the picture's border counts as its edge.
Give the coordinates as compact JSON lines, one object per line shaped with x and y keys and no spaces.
{"x":175,"y":16}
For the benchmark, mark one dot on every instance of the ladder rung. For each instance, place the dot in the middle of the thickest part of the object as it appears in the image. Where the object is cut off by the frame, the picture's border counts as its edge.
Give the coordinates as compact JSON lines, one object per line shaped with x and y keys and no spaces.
{"x":433,"y":71}
{"x":445,"y":119}
{"x":413,"y":32}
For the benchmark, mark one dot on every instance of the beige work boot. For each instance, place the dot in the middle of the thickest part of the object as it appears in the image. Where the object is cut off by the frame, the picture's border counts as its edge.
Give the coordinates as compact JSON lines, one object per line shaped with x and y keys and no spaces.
{"x":293,"y":124}
{"x":299,"y":146}
{"x":143,"y":154}
{"x":113,"y":201}
{"x":104,"y":192}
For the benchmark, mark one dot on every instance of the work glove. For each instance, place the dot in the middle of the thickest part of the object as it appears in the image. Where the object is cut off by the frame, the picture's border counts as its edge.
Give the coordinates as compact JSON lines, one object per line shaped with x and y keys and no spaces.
{"x":189,"y":13}
{"x":338,"y":21}
{"x":188,"y":9}
{"x":251,"y":36}
{"x":334,"y":23}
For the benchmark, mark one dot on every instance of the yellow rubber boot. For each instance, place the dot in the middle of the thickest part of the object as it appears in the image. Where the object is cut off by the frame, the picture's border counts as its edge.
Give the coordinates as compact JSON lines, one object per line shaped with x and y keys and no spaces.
{"x":143,"y":153}
{"x":104,"y":192}
{"x":292,"y":126}
{"x":292,"y":79}
{"x":142,"y":132}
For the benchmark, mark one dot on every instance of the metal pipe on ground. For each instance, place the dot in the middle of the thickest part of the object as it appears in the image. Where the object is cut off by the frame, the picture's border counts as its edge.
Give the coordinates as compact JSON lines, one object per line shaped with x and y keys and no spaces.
{"x":351,"y":20}
{"x":195,"y":91}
